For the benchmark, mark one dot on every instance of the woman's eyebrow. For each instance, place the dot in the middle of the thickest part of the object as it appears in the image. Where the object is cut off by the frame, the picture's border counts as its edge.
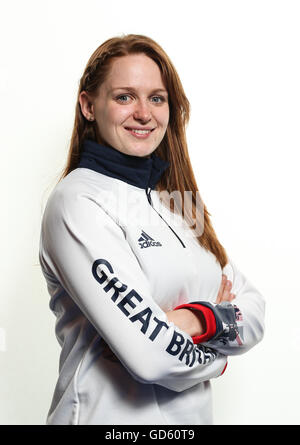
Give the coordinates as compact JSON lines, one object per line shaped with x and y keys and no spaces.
{"x":156,"y":90}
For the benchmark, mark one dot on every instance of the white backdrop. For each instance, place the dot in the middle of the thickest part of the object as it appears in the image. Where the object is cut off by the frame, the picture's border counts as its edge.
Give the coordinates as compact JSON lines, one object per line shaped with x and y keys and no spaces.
{"x":239,"y":64}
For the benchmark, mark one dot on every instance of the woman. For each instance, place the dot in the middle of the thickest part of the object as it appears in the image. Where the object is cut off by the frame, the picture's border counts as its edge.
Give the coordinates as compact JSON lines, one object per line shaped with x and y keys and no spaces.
{"x":141,"y":287}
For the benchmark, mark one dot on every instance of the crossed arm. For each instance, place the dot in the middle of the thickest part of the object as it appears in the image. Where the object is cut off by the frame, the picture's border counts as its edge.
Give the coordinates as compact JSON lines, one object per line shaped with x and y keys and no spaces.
{"x":193,"y":322}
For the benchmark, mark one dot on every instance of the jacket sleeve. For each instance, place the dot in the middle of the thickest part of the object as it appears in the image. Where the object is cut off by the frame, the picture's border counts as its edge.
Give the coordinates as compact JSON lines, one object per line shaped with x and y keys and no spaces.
{"x":232,"y":328}
{"x":88,"y":253}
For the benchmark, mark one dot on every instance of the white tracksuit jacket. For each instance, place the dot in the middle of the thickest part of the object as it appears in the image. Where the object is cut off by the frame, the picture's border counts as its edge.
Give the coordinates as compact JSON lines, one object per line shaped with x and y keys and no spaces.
{"x":115,"y":259}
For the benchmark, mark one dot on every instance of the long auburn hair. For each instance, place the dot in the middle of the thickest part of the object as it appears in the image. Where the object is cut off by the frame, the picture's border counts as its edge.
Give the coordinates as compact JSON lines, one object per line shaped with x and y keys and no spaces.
{"x":179,"y":175}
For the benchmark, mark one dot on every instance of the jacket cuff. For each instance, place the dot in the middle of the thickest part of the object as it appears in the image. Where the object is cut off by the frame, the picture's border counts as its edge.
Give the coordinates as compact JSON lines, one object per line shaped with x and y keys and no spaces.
{"x":210,"y":321}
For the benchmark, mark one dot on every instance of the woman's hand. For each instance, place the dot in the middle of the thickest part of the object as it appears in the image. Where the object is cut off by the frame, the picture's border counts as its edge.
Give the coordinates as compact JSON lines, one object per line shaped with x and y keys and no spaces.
{"x":224,"y":290}
{"x":189,"y":321}
{"x":193,"y":322}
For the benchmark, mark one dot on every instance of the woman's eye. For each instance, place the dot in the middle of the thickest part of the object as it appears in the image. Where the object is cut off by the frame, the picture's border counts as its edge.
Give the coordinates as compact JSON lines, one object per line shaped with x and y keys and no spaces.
{"x":123,"y":95}
{"x":160,"y":98}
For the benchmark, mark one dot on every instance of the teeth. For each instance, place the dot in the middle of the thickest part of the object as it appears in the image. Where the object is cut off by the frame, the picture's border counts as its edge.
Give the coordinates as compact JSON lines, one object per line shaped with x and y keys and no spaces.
{"x":141,"y":131}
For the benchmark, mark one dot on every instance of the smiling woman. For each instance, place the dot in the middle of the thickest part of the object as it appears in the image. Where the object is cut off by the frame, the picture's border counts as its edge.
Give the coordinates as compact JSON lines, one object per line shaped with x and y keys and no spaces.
{"x":146,"y":316}
{"x":138,"y":114}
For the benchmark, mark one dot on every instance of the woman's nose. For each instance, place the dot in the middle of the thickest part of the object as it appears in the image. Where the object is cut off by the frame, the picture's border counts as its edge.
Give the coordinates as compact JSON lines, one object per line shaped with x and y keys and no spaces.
{"x":142,"y":111}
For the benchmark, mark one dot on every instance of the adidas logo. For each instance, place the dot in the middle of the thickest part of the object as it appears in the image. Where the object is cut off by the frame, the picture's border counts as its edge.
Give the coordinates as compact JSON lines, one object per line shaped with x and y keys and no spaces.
{"x":146,"y":241}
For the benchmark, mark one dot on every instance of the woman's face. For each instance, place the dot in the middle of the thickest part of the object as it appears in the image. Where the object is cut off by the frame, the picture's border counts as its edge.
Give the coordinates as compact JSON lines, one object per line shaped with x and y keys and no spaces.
{"x":133,"y":97}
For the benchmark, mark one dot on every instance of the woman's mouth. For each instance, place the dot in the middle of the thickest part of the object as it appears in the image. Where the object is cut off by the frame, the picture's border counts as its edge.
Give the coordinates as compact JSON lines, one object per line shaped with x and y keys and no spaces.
{"x":140,"y":133}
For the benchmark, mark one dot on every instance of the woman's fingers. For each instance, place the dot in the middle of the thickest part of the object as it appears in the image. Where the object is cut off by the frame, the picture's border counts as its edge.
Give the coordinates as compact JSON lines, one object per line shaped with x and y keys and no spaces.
{"x":227,"y":289}
{"x":225,"y":293}
{"x":222,"y":288}
{"x":228,"y":295}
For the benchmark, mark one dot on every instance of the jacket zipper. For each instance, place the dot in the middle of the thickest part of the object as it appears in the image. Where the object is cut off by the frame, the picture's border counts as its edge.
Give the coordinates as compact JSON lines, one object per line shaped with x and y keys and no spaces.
{"x":148,"y":193}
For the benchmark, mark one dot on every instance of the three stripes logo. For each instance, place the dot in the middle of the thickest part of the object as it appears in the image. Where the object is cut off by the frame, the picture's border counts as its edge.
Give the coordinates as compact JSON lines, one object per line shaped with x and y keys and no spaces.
{"x":146,"y":241}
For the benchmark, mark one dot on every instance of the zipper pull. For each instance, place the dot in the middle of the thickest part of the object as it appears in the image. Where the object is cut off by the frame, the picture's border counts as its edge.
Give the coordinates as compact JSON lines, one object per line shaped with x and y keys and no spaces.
{"x":148,"y":193}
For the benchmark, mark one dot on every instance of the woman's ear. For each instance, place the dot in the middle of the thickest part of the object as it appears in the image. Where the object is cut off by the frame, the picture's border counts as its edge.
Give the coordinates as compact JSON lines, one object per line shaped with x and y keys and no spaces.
{"x":86,"y":106}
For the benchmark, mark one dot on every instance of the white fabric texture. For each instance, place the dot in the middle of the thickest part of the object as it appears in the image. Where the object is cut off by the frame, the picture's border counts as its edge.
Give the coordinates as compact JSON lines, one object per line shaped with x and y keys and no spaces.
{"x":113,"y":267}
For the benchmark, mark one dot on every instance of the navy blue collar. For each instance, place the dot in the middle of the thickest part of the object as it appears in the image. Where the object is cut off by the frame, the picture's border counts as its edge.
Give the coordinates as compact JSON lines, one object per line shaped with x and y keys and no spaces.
{"x":137,"y":171}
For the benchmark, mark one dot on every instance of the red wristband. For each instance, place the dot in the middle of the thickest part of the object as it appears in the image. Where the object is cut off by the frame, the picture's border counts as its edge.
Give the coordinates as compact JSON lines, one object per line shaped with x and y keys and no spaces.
{"x":209,"y":319}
